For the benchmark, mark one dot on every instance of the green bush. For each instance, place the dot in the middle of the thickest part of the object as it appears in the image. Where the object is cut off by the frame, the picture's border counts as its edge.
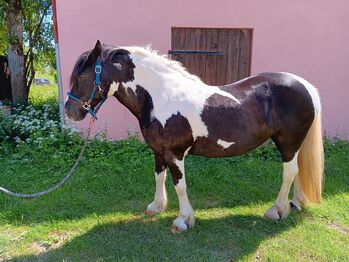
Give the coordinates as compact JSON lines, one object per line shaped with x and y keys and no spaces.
{"x":6,"y":127}
{"x":34,"y":125}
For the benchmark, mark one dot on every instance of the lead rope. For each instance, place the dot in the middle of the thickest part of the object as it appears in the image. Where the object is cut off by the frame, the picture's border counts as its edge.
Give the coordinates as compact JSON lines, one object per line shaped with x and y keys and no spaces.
{"x":60,"y":183}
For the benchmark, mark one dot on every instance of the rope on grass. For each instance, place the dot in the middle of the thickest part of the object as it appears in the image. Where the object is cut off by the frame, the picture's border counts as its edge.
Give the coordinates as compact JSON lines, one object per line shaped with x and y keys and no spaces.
{"x":60,"y":183}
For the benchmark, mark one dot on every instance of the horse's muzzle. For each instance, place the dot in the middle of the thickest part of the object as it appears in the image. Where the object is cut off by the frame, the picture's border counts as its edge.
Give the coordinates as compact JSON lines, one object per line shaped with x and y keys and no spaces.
{"x":74,"y":112}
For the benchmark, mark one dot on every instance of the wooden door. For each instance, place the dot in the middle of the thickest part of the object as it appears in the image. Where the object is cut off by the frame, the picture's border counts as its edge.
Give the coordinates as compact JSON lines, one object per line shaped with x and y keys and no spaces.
{"x":217,"y":55}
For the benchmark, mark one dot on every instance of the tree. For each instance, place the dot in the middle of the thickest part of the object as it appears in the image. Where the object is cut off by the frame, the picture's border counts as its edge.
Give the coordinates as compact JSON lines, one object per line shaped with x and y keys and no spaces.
{"x":29,"y":41}
{"x":38,"y":36}
{"x":3,"y":28}
{"x":15,"y":51}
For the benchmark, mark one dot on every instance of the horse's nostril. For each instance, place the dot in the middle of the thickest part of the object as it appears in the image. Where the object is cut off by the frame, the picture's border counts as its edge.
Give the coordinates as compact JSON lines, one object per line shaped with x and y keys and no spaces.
{"x":71,"y":114}
{"x":67,"y":112}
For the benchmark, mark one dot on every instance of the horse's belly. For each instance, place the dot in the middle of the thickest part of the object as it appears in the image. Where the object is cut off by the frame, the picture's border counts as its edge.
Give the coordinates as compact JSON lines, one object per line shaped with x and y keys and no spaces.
{"x":220,"y":148}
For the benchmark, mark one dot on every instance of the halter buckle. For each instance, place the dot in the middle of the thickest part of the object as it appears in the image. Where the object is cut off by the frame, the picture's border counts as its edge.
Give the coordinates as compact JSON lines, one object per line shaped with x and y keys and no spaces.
{"x":100,"y":90}
{"x":86,"y":106}
{"x":98,"y":69}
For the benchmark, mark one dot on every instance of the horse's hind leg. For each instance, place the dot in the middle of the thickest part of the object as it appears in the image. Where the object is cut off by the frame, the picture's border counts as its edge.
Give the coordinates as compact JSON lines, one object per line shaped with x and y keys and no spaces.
{"x":160,"y":199}
{"x":299,"y":198}
{"x":281,"y":207}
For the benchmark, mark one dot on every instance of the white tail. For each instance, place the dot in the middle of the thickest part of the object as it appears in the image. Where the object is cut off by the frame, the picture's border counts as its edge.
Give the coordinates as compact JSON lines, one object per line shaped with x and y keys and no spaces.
{"x":311,"y":163}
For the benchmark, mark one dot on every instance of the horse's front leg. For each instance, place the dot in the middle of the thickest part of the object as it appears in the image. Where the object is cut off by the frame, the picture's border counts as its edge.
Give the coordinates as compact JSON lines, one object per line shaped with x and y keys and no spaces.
{"x":160,"y":199}
{"x":186,"y":217}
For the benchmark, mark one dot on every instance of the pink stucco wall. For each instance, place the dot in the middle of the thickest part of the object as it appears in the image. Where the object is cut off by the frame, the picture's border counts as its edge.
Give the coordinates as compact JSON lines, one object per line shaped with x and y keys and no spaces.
{"x":309,"y":38}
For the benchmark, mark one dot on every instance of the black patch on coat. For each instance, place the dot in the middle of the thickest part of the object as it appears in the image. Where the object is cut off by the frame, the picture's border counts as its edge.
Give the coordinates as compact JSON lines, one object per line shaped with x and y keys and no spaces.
{"x":121,"y":66}
{"x":171,"y":141}
{"x":273,"y":105}
{"x":160,"y":164}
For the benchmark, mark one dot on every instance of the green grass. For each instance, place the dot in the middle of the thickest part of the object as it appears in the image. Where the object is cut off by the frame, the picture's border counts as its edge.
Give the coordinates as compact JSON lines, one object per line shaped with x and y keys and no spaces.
{"x":98,"y":215}
{"x":40,"y":94}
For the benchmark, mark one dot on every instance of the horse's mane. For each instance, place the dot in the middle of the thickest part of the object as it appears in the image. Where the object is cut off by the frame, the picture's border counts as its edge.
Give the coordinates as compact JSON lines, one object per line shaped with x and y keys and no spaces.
{"x":161,"y":60}
{"x":79,"y":64}
{"x":146,"y":51}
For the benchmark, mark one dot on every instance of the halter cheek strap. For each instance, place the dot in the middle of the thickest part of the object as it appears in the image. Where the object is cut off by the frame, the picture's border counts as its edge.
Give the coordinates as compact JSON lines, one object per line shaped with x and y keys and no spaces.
{"x":97,"y":85}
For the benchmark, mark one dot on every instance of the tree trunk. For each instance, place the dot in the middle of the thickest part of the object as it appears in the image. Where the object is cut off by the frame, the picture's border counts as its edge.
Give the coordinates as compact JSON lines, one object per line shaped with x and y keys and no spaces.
{"x":15,"y":52}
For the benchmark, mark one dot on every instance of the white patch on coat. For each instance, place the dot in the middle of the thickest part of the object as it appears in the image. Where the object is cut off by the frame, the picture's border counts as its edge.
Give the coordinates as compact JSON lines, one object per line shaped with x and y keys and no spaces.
{"x":224,"y":144}
{"x":160,"y":198}
{"x":186,"y":151}
{"x":186,"y":216}
{"x":132,"y":85}
{"x":173,"y":90}
{"x":180,"y":165}
{"x":281,"y":207}
{"x":113,"y":88}
{"x":311,"y":90}
{"x":290,"y":170}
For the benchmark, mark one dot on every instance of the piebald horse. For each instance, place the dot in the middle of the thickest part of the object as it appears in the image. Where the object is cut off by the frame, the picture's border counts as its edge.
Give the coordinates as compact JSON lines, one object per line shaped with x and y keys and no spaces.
{"x":179,"y":114}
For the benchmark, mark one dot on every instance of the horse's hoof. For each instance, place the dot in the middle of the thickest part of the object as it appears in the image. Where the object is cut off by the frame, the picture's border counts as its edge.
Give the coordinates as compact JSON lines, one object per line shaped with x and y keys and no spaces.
{"x":150,"y":212}
{"x":153,"y":209}
{"x":295,"y":207}
{"x":178,"y":225}
{"x":276,"y":213}
{"x":181,"y":224}
{"x":272,"y":214}
{"x":177,"y":229}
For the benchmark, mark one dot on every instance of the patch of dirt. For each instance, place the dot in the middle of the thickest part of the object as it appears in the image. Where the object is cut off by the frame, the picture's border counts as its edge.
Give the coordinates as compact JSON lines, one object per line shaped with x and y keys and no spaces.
{"x":212,"y":202}
{"x":339,"y":228}
{"x":39,"y":248}
{"x":258,"y":255}
{"x":55,"y":240}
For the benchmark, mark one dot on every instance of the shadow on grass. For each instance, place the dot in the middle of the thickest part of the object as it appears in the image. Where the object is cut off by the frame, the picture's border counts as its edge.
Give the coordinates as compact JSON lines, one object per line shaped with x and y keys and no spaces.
{"x":149,"y":239}
{"x":103,"y":192}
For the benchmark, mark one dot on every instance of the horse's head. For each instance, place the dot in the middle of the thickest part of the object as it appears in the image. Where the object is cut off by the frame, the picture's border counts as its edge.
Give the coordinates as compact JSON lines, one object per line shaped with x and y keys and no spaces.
{"x":110,"y":65}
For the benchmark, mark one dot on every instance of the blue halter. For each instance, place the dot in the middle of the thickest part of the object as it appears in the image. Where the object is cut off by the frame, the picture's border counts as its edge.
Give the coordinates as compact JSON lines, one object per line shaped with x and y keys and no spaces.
{"x":97,"y":85}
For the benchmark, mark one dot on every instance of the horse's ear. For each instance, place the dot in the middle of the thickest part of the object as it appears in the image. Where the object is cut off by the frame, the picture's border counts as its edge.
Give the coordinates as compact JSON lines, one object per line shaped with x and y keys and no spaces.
{"x":97,"y":50}
{"x":94,"y":54}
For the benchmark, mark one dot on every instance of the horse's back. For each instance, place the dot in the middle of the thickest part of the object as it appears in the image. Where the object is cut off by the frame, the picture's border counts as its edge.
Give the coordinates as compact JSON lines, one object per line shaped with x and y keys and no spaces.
{"x":284,"y":93}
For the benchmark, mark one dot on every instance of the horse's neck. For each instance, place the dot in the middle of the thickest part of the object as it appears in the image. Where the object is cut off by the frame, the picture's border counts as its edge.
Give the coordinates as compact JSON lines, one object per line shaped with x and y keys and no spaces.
{"x":129,"y":99}
{"x":138,"y":101}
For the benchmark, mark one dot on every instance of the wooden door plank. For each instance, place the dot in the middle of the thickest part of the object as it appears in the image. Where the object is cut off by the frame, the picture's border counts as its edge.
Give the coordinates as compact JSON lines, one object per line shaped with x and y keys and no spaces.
{"x":211,"y":60}
{"x":221,"y":64}
{"x":233,"y":55}
{"x":245,"y":53}
{"x":178,"y":43}
{"x":190,"y":43}
{"x":200,"y":45}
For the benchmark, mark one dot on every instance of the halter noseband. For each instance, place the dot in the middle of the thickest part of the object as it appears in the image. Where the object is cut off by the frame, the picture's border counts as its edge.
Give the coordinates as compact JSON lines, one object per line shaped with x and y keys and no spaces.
{"x":97,"y":85}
